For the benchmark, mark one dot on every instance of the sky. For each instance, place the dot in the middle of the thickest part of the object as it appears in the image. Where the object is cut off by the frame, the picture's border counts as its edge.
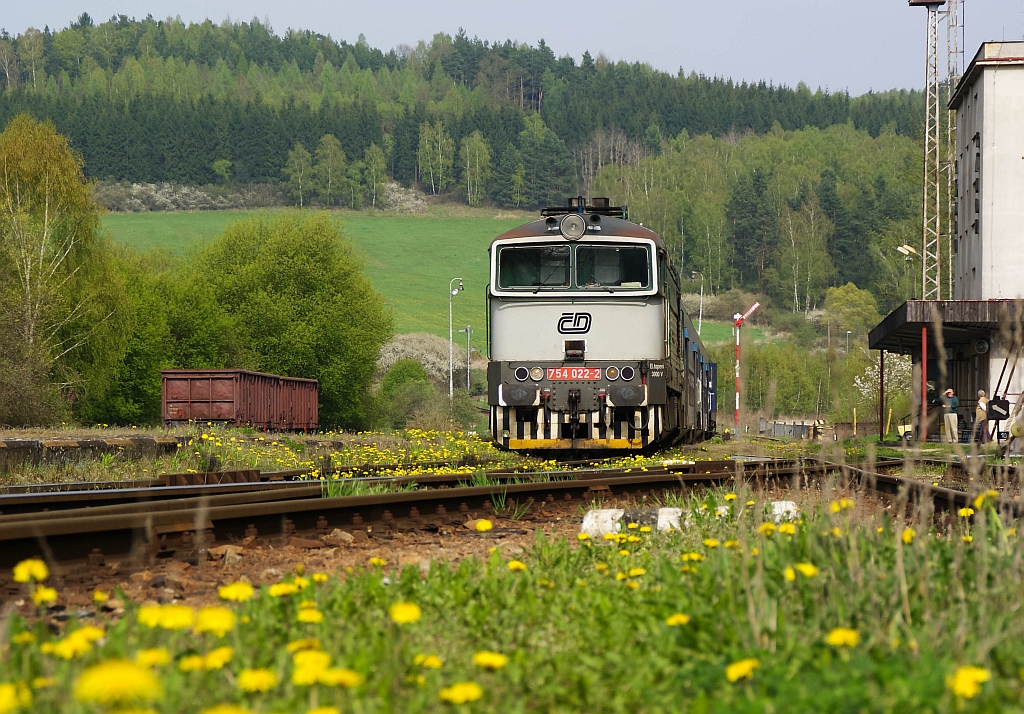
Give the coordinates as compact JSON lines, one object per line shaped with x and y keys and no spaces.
{"x":856,"y":46}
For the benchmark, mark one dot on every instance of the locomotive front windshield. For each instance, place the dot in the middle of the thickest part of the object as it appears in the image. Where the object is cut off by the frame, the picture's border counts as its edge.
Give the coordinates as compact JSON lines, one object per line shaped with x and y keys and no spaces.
{"x":580,"y":266}
{"x":534,"y":267}
{"x":604,"y":266}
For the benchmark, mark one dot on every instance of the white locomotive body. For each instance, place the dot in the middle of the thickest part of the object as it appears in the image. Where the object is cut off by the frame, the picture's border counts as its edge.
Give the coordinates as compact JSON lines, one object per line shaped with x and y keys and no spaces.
{"x":589,"y":346}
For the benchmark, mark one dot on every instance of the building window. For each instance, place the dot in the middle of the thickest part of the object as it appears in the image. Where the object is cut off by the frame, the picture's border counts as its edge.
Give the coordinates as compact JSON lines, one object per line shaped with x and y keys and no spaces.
{"x":977,"y":162}
{"x":975,"y":226}
{"x":977,"y":205}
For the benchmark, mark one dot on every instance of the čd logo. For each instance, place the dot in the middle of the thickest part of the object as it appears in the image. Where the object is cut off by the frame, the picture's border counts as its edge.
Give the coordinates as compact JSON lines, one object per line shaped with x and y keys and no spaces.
{"x":574,"y":323}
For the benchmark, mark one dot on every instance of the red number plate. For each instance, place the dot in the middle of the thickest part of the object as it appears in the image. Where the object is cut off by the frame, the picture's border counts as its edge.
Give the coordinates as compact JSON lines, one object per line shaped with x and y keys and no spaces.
{"x":562,"y":373}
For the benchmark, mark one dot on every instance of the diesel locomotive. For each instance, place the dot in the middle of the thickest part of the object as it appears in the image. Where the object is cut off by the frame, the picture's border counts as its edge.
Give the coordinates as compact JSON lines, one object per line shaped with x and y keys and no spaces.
{"x":589,"y":346}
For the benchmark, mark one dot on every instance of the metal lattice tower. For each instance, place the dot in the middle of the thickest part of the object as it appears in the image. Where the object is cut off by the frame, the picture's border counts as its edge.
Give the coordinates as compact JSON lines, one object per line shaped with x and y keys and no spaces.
{"x":931,"y":203}
{"x":954,"y":68}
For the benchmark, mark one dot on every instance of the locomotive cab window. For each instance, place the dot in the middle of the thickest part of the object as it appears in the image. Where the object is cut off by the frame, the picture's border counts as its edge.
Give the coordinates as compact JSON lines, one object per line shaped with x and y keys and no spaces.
{"x":627,"y":267}
{"x":542,"y":266}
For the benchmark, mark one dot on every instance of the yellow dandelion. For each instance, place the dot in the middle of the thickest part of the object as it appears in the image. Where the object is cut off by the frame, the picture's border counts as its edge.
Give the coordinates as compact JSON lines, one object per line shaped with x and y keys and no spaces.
{"x":14,"y":695}
{"x":282,"y":589}
{"x":677,"y":619}
{"x":320,"y":577}
{"x":730,"y":497}
{"x":966,"y":681}
{"x":633,"y":539}
{"x":216,"y":659}
{"x":611,"y":536}
{"x":431,"y":662}
{"x":227,"y":709}
{"x":843,"y":637}
{"x":461,"y":693}
{"x":602,"y":567}
{"x":787,"y":529}
{"x":404,"y":613}
{"x":582,"y":536}
{"x":806,"y":569}
{"x":965,"y":512}
{"x":310,"y":615}
{"x":116,"y":682}
{"x":516,"y":566}
{"x":766,"y":528}
{"x":42,"y":683}
{"x":378,"y":562}
{"x":23,"y":638}
{"x":636,"y":572}
{"x":306,"y":644}
{"x":744,"y":669}
{"x":967,"y":538}
{"x":632,"y":584}
{"x":490,"y":660}
{"x":32,"y":569}
{"x":980,"y":499}
{"x":99,"y":597}
{"x":908,"y":535}
{"x":216,"y":620}
{"x":190,"y":663}
{"x":257,"y":680}
{"x":711,"y":543}
{"x":483,"y":525}
{"x":167,"y":617}
{"x":337,"y":677}
{"x":789,"y":574}
{"x":155,"y":657}
{"x":836,"y":532}
{"x":632,"y":526}
{"x":43,"y":595}
{"x":236,"y":592}
{"x":645,"y":529}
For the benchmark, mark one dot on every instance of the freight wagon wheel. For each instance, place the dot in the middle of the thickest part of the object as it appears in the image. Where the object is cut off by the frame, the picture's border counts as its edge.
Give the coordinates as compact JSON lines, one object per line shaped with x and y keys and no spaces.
{"x":908,"y":438}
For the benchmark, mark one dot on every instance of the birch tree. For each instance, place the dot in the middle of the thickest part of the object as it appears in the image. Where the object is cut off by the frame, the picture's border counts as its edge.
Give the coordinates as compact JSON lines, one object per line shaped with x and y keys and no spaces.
{"x":475,"y":158}
{"x":299,"y":171}
{"x":375,"y":173}
{"x":330,"y":169}
{"x":30,"y":51}
{"x":436,"y":156}
{"x":9,"y":64}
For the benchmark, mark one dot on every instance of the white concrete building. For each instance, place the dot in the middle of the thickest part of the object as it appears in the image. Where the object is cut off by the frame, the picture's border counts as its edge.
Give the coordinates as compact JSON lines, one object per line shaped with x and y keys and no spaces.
{"x":989,"y":241}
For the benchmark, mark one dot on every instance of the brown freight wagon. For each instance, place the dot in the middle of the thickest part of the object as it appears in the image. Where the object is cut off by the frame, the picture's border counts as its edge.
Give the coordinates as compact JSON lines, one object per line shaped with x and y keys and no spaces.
{"x":241,"y":398}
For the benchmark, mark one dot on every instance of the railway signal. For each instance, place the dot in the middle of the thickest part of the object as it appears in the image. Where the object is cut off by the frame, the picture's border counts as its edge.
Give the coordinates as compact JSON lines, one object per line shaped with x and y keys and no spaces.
{"x":740,"y":319}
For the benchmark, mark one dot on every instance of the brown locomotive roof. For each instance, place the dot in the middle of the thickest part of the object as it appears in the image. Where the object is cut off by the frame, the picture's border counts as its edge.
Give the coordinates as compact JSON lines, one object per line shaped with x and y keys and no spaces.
{"x":611,"y":227}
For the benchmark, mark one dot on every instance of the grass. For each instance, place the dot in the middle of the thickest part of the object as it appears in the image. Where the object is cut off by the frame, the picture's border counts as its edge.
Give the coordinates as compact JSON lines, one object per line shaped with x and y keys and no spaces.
{"x":844,"y":610}
{"x":409,"y":258}
{"x":713,"y":333}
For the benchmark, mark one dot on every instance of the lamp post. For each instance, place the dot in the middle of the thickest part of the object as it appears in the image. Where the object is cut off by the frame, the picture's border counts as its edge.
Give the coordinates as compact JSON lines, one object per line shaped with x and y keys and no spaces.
{"x":907,"y":251}
{"x":700,"y":313}
{"x":469,"y":349}
{"x":452,"y":292}
{"x":848,"y":341}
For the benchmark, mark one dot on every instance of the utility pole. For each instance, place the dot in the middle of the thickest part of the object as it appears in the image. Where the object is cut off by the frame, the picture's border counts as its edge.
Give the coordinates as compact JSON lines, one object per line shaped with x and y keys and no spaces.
{"x":740,"y":319}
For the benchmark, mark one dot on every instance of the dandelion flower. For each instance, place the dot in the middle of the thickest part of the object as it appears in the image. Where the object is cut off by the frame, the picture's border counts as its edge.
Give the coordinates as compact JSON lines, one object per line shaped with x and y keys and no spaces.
{"x":378,"y":562}
{"x":99,"y":597}
{"x":217,"y":620}
{"x":516,"y":566}
{"x":624,"y":552}
{"x":751,"y":503}
{"x":116,"y":682}
{"x":216,"y":659}
{"x":711,"y":543}
{"x":636,"y":572}
{"x":632,"y":526}
{"x":633,"y":539}
{"x":320,"y":577}
{"x":966,"y":681}
{"x":582,"y":536}
{"x":766,"y":529}
{"x":257,"y":680}
{"x":236,"y":592}
{"x":13,"y":696}
{"x":483,"y":525}
{"x":908,"y":535}
{"x":42,"y":683}
{"x":677,"y":619}
{"x":610,"y":536}
{"x":155,"y":657}
{"x":282,"y":589}
{"x":461,"y":693}
{"x":789,"y":574}
{"x":730,"y":497}
{"x":980,"y":499}
{"x":490,"y":660}
{"x":601,"y":567}
{"x":337,"y":677}
{"x":306,"y":644}
{"x":404,"y":613}
{"x":645,"y":529}
{"x":843,"y":637}
{"x":632,"y":584}
{"x":744,"y":669}
{"x":167,"y":617}
{"x":431,"y":662}
{"x":310,"y":615}
{"x":32,"y":569}
{"x":787,"y":529}
{"x":965,"y":512}
{"x":190,"y":663}
{"x":806,"y":569}
{"x":836,"y":532}
{"x":44,"y":595}
{"x":23,"y":638}
{"x":967,"y":538}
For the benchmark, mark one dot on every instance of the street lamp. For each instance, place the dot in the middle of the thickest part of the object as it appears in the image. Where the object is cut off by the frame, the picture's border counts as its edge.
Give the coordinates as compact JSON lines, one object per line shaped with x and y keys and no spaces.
{"x":700,"y":314}
{"x":469,"y":349}
{"x":452,"y":292}
{"x":906,"y":251}
{"x":848,"y":340}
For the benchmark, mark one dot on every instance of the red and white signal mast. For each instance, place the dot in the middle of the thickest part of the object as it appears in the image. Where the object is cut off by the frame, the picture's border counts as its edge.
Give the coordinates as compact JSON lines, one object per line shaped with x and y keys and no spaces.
{"x":740,"y":319}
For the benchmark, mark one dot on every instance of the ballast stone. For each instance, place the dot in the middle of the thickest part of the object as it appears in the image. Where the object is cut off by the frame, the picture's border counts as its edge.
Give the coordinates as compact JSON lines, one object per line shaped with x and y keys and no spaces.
{"x":784,"y":510}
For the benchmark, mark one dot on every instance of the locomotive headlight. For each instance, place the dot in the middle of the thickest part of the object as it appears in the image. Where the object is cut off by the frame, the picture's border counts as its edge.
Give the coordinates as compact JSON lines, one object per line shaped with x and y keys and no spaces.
{"x":573,"y":226}
{"x":522,"y":373}
{"x":628,"y":373}
{"x":536,"y":374}
{"x":612,"y":373}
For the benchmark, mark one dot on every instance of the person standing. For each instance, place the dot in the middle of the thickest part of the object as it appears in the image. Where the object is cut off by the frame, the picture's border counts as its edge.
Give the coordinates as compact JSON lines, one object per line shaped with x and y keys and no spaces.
{"x":951,"y":403}
{"x":981,"y":418}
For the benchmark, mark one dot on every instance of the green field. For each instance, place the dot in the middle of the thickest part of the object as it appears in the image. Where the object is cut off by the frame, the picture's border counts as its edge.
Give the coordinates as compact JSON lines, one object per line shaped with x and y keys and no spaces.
{"x":410,"y":259}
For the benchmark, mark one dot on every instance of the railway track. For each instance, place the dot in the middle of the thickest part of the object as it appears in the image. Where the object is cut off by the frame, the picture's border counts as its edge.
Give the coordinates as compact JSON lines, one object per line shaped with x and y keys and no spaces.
{"x":152,"y":523}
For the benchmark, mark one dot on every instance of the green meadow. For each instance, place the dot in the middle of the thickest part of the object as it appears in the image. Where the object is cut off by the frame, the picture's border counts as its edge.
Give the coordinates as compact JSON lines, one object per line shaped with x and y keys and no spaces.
{"x":409,"y":258}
